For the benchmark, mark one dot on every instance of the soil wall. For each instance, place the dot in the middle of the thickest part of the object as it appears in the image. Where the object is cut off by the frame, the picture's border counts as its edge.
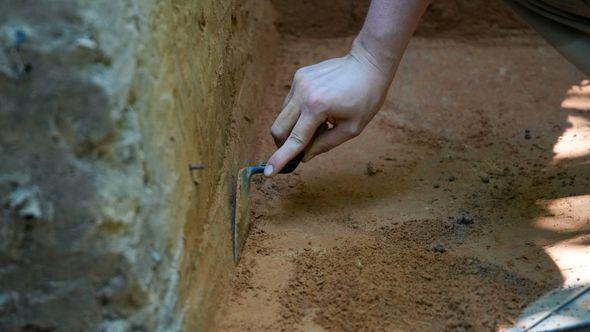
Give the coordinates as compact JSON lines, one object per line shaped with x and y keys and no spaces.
{"x":104,"y":105}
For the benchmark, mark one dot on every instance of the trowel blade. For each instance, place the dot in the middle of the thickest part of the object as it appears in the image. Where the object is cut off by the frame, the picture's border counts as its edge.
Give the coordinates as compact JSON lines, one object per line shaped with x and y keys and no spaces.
{"x":241,"y":217}
{"x":241,"y":212}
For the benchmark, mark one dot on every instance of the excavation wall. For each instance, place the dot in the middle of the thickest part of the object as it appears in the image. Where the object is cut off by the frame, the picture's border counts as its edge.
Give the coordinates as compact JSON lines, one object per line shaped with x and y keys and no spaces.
{"x":104,"y":107}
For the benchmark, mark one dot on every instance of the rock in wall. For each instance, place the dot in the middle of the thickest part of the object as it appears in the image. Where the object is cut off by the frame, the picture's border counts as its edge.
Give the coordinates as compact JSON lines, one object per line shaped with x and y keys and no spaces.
{"x":104,"y":106}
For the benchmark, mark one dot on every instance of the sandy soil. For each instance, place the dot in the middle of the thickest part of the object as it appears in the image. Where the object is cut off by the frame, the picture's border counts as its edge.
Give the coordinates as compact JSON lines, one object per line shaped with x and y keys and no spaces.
{"x":440,"y":216}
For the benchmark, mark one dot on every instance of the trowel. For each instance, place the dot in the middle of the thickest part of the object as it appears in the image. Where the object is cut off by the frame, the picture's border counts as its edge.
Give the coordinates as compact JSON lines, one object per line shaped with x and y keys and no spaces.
{"x":241,"y":217}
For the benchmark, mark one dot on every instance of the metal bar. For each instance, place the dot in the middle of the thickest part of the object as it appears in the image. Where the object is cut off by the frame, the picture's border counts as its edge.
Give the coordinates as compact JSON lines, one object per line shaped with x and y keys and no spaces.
{"x":571,"y":299}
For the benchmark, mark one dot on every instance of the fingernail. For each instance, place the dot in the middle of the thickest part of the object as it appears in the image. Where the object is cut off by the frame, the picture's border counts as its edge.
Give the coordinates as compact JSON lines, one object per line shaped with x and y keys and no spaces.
{"x":268,"y":170}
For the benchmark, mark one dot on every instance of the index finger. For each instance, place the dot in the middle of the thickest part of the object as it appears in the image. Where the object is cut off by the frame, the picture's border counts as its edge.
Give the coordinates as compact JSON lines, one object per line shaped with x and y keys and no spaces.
{"x":300,"y":137}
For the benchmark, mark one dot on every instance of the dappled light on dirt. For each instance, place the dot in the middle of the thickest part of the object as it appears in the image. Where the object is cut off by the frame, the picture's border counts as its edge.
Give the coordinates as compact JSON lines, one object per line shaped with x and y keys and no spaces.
{"x":569,"y":216}
{"x":573,"y":259}
{"x":566,"y":219}
{"x":578,"y":97}
{"x":566,"y":214}
{"x":575,"y":141}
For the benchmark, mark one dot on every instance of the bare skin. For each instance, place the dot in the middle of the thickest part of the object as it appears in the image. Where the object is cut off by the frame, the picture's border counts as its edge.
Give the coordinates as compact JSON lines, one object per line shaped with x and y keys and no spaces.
{"x":331,"y":102}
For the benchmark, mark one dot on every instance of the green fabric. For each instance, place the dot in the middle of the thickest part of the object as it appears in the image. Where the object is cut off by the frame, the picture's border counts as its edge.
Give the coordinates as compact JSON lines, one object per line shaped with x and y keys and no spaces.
{"x":564,"y":24}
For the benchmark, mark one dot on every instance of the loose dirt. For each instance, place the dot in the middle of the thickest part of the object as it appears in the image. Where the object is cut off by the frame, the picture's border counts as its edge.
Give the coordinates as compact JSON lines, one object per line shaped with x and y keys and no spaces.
{"x":403,"y":279}
{"x":439,"y":215}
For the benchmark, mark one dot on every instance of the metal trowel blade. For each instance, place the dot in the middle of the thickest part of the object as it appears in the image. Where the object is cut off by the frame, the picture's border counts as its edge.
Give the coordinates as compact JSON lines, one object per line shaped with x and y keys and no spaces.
{"x":241,"y":217}
{"x":241,"y":212}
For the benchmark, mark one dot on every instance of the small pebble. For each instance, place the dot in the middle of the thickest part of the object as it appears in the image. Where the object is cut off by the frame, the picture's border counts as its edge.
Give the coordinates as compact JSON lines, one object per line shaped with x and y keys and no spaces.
{"x":527,"y":134}
{"x":371,"y":170}
{"x":484,"y":178}
{"x":465,"y":219}
{"x":439,"y":247}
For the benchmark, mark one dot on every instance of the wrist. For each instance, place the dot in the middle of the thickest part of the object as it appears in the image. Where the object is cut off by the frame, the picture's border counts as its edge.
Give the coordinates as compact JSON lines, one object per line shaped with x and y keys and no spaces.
{"x":383,"y":57}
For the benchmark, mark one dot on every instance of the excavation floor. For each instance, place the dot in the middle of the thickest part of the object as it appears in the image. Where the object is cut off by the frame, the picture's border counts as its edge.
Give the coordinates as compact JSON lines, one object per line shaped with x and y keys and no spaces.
{"x":464,"y":200}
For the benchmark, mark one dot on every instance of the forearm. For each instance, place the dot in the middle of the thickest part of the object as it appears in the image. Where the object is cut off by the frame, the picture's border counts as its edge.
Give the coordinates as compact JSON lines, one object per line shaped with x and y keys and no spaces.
{"x":388,"y":27}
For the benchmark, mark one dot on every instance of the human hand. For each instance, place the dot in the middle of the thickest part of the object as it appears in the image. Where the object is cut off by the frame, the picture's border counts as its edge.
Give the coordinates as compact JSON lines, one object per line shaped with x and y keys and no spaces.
{"x":329,"y":103}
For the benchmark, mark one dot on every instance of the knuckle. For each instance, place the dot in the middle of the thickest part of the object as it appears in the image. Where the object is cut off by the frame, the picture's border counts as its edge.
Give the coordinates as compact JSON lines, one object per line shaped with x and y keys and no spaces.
{"x":299,"y":74}
{"x":303,"y":84}
{"x":316,"y":100}
{"x":277,"y":133}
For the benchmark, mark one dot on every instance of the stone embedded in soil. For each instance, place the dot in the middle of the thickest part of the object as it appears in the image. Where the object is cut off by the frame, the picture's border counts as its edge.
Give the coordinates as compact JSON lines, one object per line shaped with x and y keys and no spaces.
{"x":484,"y":178}
{"x":527,"y":134}
{"x":465,"y":218}
{"x":439,"y":247}
{"x":371,"y":170}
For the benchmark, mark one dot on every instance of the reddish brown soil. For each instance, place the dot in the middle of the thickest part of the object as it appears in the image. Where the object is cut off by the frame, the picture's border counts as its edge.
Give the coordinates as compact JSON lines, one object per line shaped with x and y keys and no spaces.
{"x":403,"y":278}
{"x":429,"y":220}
